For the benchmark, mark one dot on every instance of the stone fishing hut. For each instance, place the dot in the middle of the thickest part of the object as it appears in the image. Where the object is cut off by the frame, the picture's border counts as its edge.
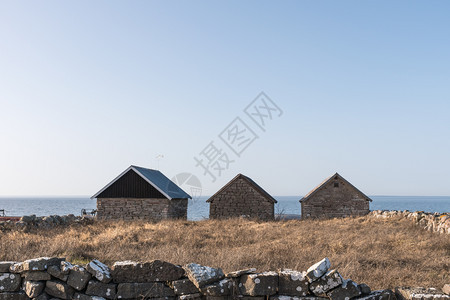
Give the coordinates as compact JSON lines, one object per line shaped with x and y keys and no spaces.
{"x":333,"y":198}
{"x":241,"y":197}
{"x":141,"y":194}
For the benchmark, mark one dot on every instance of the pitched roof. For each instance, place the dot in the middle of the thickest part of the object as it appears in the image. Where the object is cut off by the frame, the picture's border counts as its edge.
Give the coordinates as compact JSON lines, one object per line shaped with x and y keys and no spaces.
{"x":317,"y":188}
{"x":259,"y":189}
{"x":155,"y":178}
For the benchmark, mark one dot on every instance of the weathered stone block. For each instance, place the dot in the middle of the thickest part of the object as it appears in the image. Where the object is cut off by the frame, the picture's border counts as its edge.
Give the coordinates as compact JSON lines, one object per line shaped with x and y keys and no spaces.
{"x":99,"y":271}
{"x":239,"y":273}
{"x":59,"y":289}
{"x":261,"y":284}
{"x":36,"y":276}
{"x":242,"y":297}
{"x":78,"y":278}
{"x":325,"y":283}
{"x":143,"y":290}
{"x":97,"y":288}
{"x":348,"y":289}
{"x":221,"y":288}
{"x":14,"y":296}
{"x":419,"y":293}
{"x":364,"y":288}
{"x":36,"y":264}
{"x":5,"y":265}
{"x":318,"y":269}
{"x":34,"y":288}
{"x":195,"y":296}
{"x":80,"y":296}
{"x":284,"y":297}
{"x":379,"y":295}
{"x":202,"y":275}
{"x":56,"y":272}
{"x":183,"y":287}
{"x":9,"y":282}
{"x":42,"y":296}
{"x":292,"y":283}
{"x":127,"y":271}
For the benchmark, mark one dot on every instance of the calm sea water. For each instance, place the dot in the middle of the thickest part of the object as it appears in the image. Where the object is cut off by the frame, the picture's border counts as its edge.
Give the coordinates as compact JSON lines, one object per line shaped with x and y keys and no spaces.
{"x":198,"y":209}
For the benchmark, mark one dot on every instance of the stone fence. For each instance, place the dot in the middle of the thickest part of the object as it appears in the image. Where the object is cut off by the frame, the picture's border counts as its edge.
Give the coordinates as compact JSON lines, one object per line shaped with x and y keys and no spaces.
{"x":28,"y":222}
{"x":437,"y":222}
{"x":54,"y":278}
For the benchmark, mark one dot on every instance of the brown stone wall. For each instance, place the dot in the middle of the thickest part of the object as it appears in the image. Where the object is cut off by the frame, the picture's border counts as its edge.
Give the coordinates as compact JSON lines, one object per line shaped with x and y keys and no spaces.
{"x":141,"y":209}
{"x":335,"y":202}
{"x":241,"y":199}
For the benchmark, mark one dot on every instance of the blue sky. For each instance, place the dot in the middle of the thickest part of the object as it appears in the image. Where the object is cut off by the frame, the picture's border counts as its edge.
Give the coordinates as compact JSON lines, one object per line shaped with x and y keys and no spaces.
{"x":88,"y":88}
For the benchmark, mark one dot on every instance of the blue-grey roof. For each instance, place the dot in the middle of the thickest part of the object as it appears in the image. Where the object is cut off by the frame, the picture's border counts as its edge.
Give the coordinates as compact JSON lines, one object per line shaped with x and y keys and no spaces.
{"x":162,"y":183}
{"x":157,"y":179}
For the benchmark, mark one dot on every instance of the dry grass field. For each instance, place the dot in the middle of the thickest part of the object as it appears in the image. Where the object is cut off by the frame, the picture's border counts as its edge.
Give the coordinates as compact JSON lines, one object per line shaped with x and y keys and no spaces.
{"x":381,"y":253}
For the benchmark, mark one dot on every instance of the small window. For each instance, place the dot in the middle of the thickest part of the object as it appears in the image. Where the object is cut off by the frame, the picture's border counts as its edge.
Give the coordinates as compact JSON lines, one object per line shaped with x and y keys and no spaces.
{"x":336,"y":184}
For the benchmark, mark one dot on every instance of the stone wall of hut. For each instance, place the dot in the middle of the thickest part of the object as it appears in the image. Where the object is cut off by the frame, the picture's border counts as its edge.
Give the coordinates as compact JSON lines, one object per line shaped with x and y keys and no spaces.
{"x":240,"y":199}
{"x":141,"y":209}
{"x":336,"y":199}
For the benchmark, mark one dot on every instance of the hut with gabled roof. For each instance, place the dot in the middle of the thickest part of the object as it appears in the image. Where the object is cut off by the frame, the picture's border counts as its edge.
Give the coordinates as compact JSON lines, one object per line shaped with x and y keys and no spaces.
{"x":141,"y":194}
{"x":241,"y":197}
{"x":335,"y":197}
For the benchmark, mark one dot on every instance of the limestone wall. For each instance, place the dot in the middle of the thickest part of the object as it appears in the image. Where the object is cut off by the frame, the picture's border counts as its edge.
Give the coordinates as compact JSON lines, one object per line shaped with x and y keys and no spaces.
{"x":335,"y":202}
{"x":241,"y":199}
{"x":141,"y":209}
{"x":54,"y":278}
{"x":437,"y":222}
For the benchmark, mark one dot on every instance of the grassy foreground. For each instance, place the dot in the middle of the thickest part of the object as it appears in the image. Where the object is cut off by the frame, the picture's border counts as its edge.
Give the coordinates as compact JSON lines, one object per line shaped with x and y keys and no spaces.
{"x":379,"y":252}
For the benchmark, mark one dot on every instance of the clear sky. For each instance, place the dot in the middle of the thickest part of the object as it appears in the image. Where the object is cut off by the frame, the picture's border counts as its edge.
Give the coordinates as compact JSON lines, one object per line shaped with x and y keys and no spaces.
{"x":88,"y":88}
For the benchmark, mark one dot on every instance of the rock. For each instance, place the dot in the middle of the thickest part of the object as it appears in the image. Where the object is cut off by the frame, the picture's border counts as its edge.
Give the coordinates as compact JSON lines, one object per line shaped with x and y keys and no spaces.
{"x":97,"y":288}
{"x":348,"y":289}
{"x":80,"y":296}
{"x":14,"y":296}
{"x":65,"y":267}
{"x":36,"y":276}
{"x":42,"y":296}
{"x":37,"y":264}
{"x":202,"y":275}
{"x":446,"y":289}
{"x":99,"y":271}
{"x":5,"y":265}
{"x":55,"y":271}
{"x":325,"y":283}
{"x":196,"y":296}
{"x":9,"y":282}
{"x":261,"y":284}
{"x":28,"y":219}
{"x":128,"y":271}
{"x":78,"y":278}
{"x":283,"y":297}
{"x":379,"y":295}
{"x":239,"y":273}
{"x":143,"y":290}
{"x":59,"y":289}
{"x":318,"y":269}
{"x":218,"y":298}
{"x":419,"y":293}
{"x":183,"y":287}
{"x":34,"y":288}
{"x":242,"y":297}
{"x":364,"y":288}
{"x":221,"y":288}
{"x":292,"y":283}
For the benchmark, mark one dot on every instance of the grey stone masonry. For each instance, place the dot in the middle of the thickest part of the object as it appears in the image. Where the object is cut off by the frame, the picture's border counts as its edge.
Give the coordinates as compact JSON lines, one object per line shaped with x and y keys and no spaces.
{"x":336,"y":198}
{"x":150,"y":209}
{"x":240,"y":199}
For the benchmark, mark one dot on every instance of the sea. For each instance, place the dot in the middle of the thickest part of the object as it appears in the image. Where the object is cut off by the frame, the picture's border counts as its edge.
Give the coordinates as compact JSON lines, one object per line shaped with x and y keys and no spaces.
{"x":198,"y":209}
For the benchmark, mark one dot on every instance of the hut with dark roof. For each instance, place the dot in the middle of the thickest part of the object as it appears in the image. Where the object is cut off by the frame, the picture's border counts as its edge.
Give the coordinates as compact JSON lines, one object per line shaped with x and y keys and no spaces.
{"x":241,"y":197}
{"x":335,"y":197}
{"x":141,"y":194}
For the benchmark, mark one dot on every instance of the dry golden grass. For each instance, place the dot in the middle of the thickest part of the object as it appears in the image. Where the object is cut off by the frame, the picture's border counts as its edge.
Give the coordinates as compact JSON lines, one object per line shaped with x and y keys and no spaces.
{"x":382,"y":253}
